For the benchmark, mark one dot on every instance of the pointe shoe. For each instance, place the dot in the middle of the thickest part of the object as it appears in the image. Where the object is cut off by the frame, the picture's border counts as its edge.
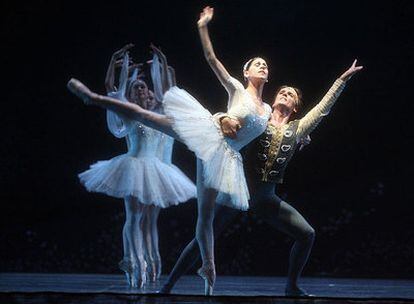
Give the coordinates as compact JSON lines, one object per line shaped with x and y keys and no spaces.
{"x":126,"y":266}
{"x":152,"y":272}
{"x":295,"y":291}
{"x":80,"y":90}
{"x":158,"y":268}
{"x":208,"y":274}
{"x":140,"y":274}
{"x":134,"y":275}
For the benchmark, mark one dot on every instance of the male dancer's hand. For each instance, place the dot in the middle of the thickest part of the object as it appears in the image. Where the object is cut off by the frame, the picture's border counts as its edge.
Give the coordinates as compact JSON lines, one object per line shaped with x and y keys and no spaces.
{"x":229,"y":127}
{"x":351,"y":71}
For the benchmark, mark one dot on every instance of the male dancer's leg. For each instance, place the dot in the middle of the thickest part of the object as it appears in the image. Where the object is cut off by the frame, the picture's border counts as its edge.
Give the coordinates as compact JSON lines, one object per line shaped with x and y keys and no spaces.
{"x":287,"y":219}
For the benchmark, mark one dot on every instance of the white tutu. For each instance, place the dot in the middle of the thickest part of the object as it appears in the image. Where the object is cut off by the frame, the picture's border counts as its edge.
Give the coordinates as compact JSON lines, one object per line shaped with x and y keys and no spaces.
{"x":223,"y":166}
{"x":146,"y":178}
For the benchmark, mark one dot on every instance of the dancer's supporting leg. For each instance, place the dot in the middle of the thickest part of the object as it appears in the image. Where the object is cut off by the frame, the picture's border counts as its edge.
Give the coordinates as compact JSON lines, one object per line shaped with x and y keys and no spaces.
{"x":191,"y":253}
{"x":287,"y":219}
{"x":126,"y":262}
{"x":133,"y":235}
{"x":155,"y":211}
{"x":150,"y":232}
{"x":206,"y":199}
{"x":294,"y":224}
{"x":147,"y":243}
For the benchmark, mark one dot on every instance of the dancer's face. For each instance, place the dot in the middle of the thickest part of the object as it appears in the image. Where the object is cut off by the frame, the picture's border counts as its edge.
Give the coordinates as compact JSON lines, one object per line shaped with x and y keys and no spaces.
{"x":151,"y":100}
{"x":287,"y":97}
{"x":257,"y":70}
{"x":138,"y":92}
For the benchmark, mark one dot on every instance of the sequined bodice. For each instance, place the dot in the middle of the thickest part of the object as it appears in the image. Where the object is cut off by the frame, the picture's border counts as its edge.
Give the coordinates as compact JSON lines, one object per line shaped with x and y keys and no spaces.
{"x":242,"y":107}
{"x":144,"y":141}
{"x":253,"y":125}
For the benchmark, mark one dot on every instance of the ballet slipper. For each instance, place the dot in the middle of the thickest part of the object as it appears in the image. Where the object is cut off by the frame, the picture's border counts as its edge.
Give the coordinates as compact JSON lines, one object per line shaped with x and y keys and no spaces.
{"x":80,"y":90}
{"x":126,"y":266}
{"x":135,"y":274}
{"x":208,"y":274}
{"x":151,"y":272}
{"x":158,"y":267}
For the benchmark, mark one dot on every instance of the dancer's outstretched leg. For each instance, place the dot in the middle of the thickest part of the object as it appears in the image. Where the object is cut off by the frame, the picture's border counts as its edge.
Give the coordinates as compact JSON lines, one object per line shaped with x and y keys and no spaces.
{"x":136,"y":266}
{"x":191,"y":254}
{"x":130,"y":110}
{"x":287,"y":219}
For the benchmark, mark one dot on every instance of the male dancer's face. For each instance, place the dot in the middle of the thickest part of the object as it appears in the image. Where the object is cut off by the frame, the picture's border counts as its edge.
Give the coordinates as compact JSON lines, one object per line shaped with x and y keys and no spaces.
{"x":286,"y":98}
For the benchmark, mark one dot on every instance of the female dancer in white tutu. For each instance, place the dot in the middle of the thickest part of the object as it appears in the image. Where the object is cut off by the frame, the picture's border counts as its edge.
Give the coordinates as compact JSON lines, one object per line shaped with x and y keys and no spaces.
{"x":149,"y":213}
{"x":219,"y":166}
{"x":139,"y":176}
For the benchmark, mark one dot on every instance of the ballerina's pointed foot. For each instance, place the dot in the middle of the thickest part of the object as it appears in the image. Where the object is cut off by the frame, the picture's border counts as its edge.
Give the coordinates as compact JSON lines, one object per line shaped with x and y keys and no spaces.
{"x":80,"y":90}
{"x":126,"y":266}
{"x":158,"y":267}
{"x":134,"y":275}
{"x":295,"y":291}
{"x":152,"y":273}
{"x":208,"y":274}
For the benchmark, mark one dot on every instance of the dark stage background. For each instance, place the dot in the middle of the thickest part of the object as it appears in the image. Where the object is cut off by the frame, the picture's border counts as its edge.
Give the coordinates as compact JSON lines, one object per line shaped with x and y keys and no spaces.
{"x":353,"y":183}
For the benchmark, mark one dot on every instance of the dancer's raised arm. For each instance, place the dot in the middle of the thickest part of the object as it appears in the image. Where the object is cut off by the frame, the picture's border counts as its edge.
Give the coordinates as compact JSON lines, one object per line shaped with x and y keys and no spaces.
{"x":171,"y":76}
{"x":164,"y":67}
{"x":309,"y":122}
{"x":205,"y":17}
{"x":110,"y":73}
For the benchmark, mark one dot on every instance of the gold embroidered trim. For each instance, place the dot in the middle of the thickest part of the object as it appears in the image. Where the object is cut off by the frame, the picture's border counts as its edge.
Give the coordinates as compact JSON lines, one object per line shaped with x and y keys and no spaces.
{"x":272,"y":151}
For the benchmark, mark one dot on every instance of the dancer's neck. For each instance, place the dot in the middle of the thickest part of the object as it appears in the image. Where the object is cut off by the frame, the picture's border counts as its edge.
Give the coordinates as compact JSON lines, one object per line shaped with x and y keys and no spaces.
{"x":280,"y":115}
{"x":255,"y":89}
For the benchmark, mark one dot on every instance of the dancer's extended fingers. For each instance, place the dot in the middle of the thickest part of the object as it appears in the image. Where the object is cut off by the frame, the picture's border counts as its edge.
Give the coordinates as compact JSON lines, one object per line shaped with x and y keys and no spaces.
{"x":128,"y":46}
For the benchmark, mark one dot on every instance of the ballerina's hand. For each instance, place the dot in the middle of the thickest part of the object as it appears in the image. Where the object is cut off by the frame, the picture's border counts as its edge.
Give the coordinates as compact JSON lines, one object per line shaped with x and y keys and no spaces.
{"x":351,"y":71}
{"x":205,"y":16}
{"x":121,"y":52}
{"x":131,"y":63}
{"x":157,"y":51}
{"x":229,"y":127}
{"x":304,"y":141}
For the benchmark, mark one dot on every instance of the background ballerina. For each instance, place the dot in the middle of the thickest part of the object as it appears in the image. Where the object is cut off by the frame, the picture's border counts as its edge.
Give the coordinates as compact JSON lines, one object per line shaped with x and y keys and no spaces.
{"x":139,"y":176}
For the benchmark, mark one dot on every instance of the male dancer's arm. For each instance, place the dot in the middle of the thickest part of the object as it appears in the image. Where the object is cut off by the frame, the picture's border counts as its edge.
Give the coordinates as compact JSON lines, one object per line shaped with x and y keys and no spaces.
{"x":311,"y":120}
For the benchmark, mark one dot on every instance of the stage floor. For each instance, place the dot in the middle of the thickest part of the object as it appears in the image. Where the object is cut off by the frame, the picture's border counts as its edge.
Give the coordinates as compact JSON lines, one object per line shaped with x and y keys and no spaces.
{"x":25,"y":286}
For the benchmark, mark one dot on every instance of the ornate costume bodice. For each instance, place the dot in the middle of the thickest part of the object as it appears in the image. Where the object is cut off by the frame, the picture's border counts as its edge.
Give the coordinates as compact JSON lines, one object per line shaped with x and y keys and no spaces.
{"x":269,"y":154}
{"x":144,"y":141}
{"x":242,"y":107}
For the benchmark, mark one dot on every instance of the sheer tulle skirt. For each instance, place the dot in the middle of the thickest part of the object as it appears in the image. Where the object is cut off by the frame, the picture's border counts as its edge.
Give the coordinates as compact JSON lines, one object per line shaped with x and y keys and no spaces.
{"x":223,"y":165}
{"x":146,"y":178}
